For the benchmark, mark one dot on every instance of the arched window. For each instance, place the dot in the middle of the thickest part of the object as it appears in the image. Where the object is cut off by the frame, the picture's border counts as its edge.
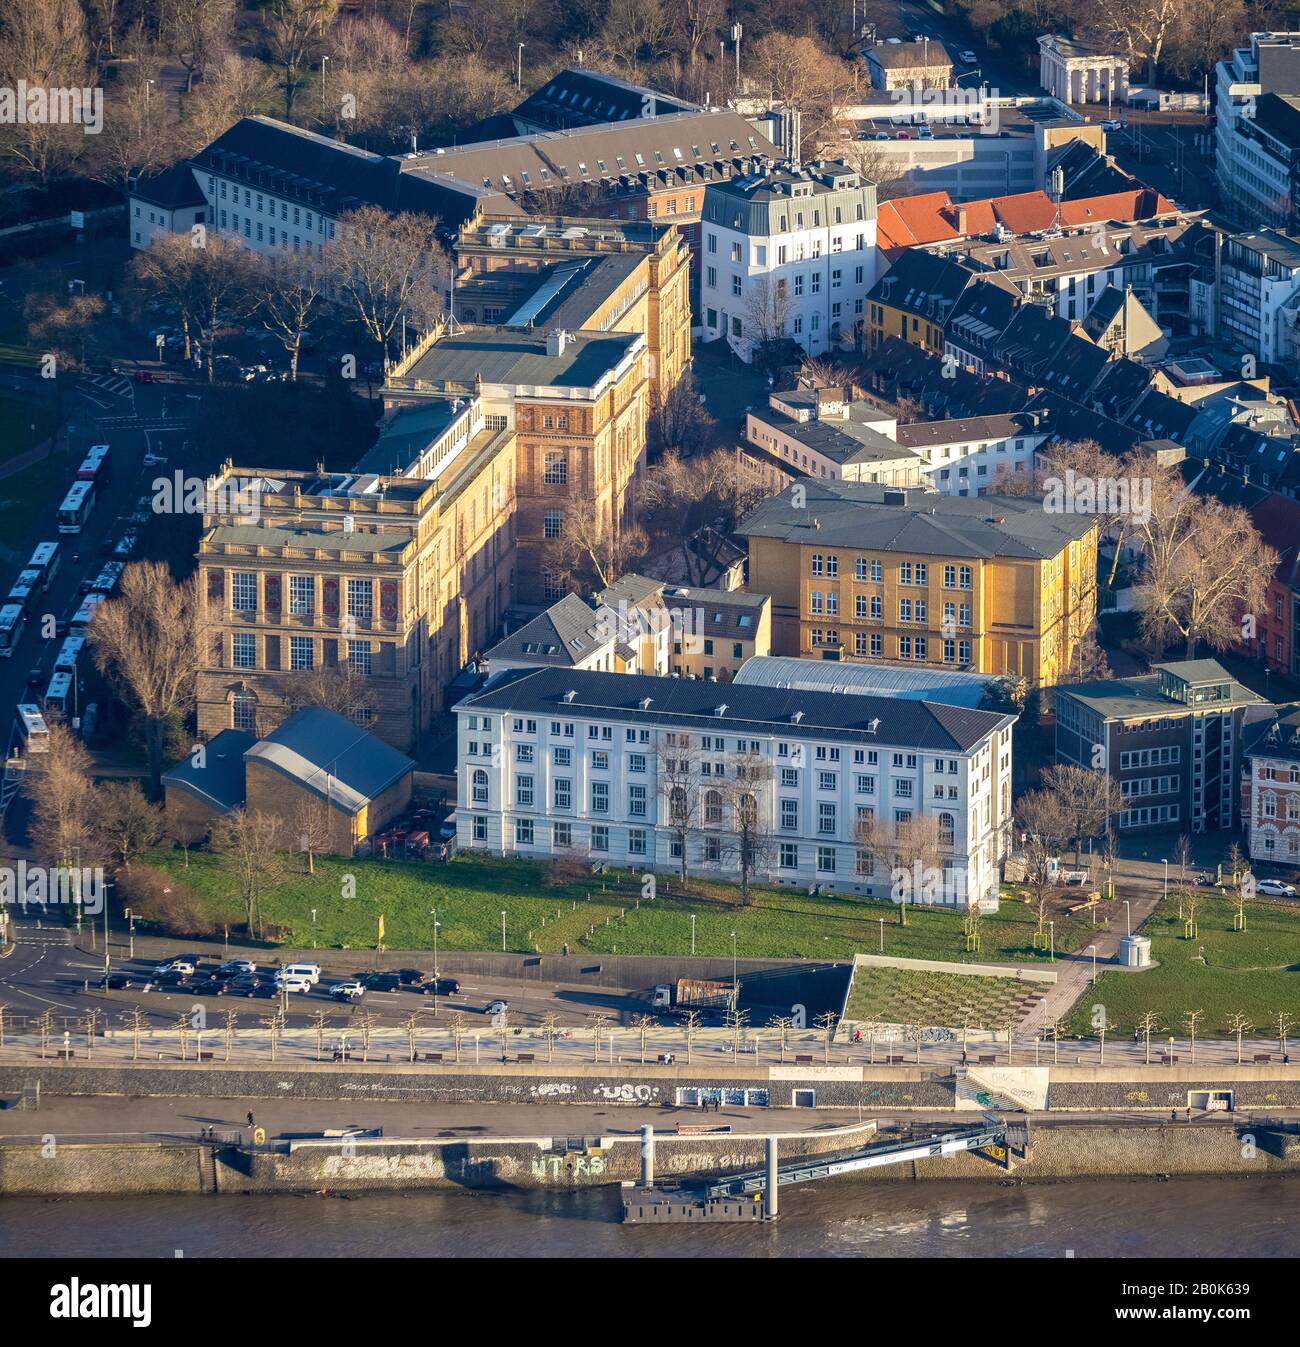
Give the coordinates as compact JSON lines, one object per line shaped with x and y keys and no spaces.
{"x":947,"y":830}
{"x":677,"y":806}
{"x":480,"y":787}
{"x":713,"y":807}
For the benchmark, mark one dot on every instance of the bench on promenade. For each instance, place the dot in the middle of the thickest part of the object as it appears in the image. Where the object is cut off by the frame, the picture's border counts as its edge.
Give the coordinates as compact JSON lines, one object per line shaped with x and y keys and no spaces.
{"x":986,"y":1060}
{"x":894,"y":1061}
{"x":803,"y":1059}
{"x":526,"y":1057}
{"x":1263,"y":1058}
{"x":1167,"y":1060}
{"x":433,"y":1056}
{"x":701,"y":1129}
{"x":666,"y":1059}
{"x":66,"y":1053}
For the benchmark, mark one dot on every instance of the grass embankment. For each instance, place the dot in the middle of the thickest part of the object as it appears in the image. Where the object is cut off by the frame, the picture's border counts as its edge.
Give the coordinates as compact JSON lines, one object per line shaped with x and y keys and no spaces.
{"x":927,"y":996}
{"x":471,"y":892}
{"x":1220,"y":971}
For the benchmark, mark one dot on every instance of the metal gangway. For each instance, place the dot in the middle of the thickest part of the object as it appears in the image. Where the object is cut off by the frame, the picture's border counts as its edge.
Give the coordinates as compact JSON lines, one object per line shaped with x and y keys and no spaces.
{"x":993,"y":1132}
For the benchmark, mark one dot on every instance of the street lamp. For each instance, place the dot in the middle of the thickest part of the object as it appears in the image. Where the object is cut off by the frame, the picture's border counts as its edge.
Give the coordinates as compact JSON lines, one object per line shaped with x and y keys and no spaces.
{"x":519,"y":75}
{"x":324,"y":62}
{"x":503,"y":933}
{"x":692,"y":933}
{"x":1166,"y":865}
{"x":1128,"y":918}
{"x":1051,"y":941}
{"x":433,"y":912}
{"x":733,"y":965}
{"x":313,"y":928}
{"x":882,"y":935}
{"x":1093,"y":948}
{"x":130,"y":920}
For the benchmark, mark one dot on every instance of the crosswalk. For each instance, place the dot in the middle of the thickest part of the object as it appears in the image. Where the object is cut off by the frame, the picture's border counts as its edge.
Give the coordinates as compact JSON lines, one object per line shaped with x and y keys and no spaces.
{"x":115,"y":384}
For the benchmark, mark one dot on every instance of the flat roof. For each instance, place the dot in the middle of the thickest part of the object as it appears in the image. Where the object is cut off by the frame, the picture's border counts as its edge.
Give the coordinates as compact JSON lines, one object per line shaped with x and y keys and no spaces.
{"x":506,"y":356}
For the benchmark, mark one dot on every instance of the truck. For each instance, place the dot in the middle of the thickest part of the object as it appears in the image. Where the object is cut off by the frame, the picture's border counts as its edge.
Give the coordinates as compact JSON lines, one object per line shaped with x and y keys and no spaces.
{"x":689,"y":994}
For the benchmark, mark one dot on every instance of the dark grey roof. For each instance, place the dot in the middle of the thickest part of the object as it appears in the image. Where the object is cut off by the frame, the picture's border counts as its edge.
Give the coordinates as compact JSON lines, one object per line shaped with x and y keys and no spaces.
{"x":981,"y":315}
{"x":694,"y":704}
{"x":1122,"y":383}
{"x":174,"y":189}
{"x":328,"y":755}
{"x":962,"y":429}
{"x":566,"y":633}
{"x":1140,"y":695}
{"x":923,"y":283}
{"x":881,"y":519}
{"x":1074,"y":367}
{"x":512,"y":356}
{"x":579,"y":96}
{"x":842,"y":442}
{"x":219,"y":783}
{"x":1066,"y":421}
{"x":1276,"y":735}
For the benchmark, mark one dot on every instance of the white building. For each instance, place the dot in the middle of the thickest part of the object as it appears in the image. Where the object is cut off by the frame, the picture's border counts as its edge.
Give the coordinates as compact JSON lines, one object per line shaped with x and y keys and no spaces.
{"x":1272,"y":803}
{"x":167,"y":203}
{"x":1259,"y":284}
{"x":563,"y":762}
{"x":788,"y":253}
{"x":967,"y":457}
{"x":1087,"y":69}
{"x":1251,"y":159}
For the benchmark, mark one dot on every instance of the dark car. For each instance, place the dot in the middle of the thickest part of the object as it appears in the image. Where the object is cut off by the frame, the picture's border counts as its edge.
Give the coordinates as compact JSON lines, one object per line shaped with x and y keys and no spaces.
{"x":382,"y":982}
{"x":117,"y":982}
{"x":206,"y":986}
{"x":442,"y":987}
{"x":249,"y":984}
{"x":411,"y":977}
{"x":168,"y":982}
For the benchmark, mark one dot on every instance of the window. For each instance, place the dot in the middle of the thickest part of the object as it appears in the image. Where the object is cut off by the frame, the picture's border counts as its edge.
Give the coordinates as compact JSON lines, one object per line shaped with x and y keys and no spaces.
{"x":553,"y":523}
{"x":480,"y":786}
{"x":524,"y":791}
{"x":826,"y":860}
{"x":555,"y":468}
{"x":790,"y":815}
{"x":243,"y":592}
{"x":789,"y":859}
{"x":361,"y":597}
{"x":302,"y":595}
{"x":562,"y":792}
{"x":523,"y":832}
{"x":826,"y":818}
{"x":636,"y":841}
{"x":243,"y":712}
{"x":599,"y":837}
{"x":600,"y":797}
{"x":301,"y":652}
{"x":360,"y":656}
{"x":636,"y":801}
{"x":244,"y":650}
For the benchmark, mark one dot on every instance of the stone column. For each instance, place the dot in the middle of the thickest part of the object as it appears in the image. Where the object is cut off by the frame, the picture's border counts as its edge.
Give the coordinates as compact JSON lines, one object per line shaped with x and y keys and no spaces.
{"x":647,"y":1156}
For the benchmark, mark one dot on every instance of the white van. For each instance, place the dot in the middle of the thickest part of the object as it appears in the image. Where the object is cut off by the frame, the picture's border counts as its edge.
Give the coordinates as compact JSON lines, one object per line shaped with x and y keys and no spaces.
{"x":292,"y":982}
{"x":310,"y":971}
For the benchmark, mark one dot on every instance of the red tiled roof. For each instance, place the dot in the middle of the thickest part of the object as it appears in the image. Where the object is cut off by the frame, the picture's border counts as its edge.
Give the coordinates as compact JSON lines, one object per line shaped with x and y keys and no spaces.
{"x":1140,"y":204}
{"x":1025,"y":212}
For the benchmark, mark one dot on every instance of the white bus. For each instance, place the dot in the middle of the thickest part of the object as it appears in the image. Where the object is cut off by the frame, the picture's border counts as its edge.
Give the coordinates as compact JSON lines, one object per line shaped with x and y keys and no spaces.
{"x":60,"y":695}
{"x":69,"y":656}
{"x":81,"y":622}
{"x":106,"y":582}
{"x":32,"y":729}
{"x":76,"y":507}
{"x":26,"y":590}
{"x":13,"y":621}
{"x":46,"y":559}
{"x":97,"y":465}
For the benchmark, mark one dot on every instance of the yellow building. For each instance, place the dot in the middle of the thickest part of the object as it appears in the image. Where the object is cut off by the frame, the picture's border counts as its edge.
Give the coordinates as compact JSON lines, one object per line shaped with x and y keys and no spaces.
{"x":861,"y":572}
{"x":579,"y":274}
{"x":915,"y":298}
{"x":575,"y":405}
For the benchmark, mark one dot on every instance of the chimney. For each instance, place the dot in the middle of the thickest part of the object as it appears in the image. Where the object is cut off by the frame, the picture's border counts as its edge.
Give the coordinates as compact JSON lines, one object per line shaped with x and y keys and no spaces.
{"x":962,"y":221}
{"x":556,"y":341}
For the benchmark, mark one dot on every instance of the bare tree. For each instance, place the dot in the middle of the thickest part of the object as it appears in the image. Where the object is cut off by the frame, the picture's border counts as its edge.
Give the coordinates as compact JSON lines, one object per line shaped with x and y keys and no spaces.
{"x":910,"y":849}
{"x":148,"y":641}
{"x":679,"y":421}
{"x":1087,"y":798}
{"x":744,"y":796}
{"x":251,"y":844}
{"x":290,"y":292}
{"x":680,"y":786}
{"x":292,"y":31}
{"x":62,"y":799}
{"x":197,"y":32}
{"x":766,"y":308}
{"x":593,"y":548}
{"x":1041,"y":826}
{"x":166,"y":270}
{"x":336,"y":687}
{"x":387,"y":267}
{"x":233,"y":86}
{"x":126,"y":820}
{"x":311,"y":829}
{"x":46,"y":48}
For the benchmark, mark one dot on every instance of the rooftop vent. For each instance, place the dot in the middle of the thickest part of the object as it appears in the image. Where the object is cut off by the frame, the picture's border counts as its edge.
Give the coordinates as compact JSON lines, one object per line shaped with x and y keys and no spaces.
{"x":873,"y":724}
{"x":644,"y":703}
{"x":571,"y":694}
{"x":796,"y":717}
{"x":556,"y":341}
{"x":720,"y":710}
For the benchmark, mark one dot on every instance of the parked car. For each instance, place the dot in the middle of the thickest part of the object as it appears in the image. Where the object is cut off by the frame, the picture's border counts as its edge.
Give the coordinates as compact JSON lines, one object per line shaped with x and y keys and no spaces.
{"x":382,"y":982}
{"x":143,"y":376}
{"x":497,"y":1007}
{"x":1276,"y":888}
{"x":969,"y":58}
{"x":442,"y":987}
{"x":925,"y":133}
{"x":447,"y":829}
{"x":35,"y":677}
{"x":207,"y":986}
{"x":167,"y":982}
{"x":127,"y":545}
{"x":1112,"y":125}
{"x":250,"y":984}
{"x":349,"y":990}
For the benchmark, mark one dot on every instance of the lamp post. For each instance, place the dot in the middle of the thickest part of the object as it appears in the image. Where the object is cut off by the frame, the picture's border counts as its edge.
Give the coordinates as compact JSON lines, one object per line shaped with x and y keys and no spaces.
{"x":882,"y":935}
{"x":1093,"y":948}
{"x":1128,"y":918}
{"x":1051,"y":941}
{"x":692,"y":933}
{"x":736,"y":31}
{"x":130,"y":921}
{"x":1166,"y":865}
{"x":519,"y":73}
{"x":503,"y":933}
{"x":313,"y":928}
{"x":324,"y":62}
{"x":733,"y":964}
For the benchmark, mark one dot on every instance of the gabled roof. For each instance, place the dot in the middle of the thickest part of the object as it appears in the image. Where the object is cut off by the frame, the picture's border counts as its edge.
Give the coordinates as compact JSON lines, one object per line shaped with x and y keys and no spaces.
{"x":704,"y":707}
{"x":1158,"y":416}
{"x":923,"y":284}
{"x":982,"y":315}
{"x":1074,"y":367}
{"x":1122,"y":383}
{"x":175,"y":189}
{"x":327,"y":754}
{"x":1031,"y":339}
{"x":580,"y":96}
{"x":217,"y":779}
{"x":568,"y":632}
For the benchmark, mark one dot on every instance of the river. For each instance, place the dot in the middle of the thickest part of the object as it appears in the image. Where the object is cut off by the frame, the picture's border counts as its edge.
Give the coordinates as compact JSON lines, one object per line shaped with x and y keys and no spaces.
{"x":849,"y":1218}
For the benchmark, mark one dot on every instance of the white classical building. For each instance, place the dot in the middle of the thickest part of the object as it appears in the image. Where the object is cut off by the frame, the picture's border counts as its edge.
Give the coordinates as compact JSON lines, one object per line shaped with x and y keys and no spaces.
{"x":1088,"y":69}
{"x":788,"y":253}
{"x":1272,"y":787}
{"x":565,"y":762}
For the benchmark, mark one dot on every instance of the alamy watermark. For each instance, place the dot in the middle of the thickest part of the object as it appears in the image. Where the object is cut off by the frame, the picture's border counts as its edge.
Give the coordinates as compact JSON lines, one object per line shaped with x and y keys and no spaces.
{"x":1078,"y":494}
{"x":44,"y":884}
{"x":179,"y":494}
{"x":28,"y":105}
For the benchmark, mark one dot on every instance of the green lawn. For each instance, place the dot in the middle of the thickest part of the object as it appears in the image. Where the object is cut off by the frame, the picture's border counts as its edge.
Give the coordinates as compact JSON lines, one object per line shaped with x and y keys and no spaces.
{"x":471,"y":892}
{"x":1221,"y":971}
{"x":28,"y":494}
